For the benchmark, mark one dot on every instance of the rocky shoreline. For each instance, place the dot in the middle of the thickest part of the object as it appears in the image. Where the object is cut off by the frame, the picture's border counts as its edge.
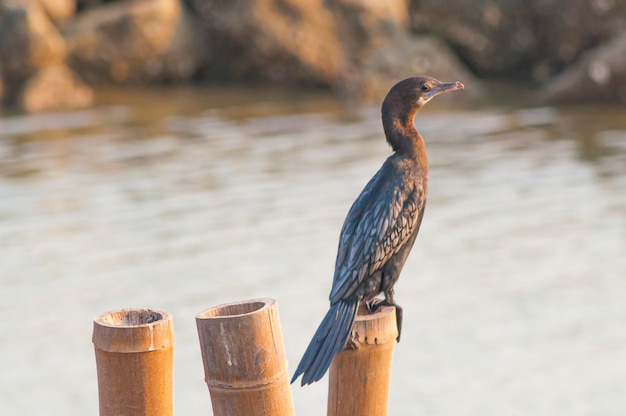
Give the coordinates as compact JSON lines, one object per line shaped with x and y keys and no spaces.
{"x":56,"y":53}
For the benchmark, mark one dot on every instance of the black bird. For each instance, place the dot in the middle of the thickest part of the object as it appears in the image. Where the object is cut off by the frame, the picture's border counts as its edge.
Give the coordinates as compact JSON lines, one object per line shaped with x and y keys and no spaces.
{"x":380,"y":228}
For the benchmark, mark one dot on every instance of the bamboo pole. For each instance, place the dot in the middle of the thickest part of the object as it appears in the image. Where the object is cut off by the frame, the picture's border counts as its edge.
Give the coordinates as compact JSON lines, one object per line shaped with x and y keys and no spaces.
{"x":244,"y":359}
{"x":360,"y":374}
{"x":134,"y":358}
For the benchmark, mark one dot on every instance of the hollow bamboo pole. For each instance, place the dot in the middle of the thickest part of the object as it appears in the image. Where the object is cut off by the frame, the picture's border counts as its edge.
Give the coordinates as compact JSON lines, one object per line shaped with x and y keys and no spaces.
{"x":134,"y":359}
{"x":244,"y":359}
{"x":359,"y":375}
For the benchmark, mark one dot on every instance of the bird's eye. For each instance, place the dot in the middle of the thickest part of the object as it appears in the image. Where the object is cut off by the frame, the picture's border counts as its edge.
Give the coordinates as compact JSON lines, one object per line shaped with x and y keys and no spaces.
{"x":424,"y":87}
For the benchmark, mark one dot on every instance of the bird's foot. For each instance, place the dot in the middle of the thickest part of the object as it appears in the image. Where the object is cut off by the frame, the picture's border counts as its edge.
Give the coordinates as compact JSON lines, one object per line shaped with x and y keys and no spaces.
{"x":353,"y":343}
{"x":374,"y":304}
{"x":399,"y":314}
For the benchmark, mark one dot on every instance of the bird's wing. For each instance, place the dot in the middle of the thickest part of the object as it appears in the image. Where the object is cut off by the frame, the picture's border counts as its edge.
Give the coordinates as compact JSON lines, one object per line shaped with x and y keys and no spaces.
{"x":378,"y":225}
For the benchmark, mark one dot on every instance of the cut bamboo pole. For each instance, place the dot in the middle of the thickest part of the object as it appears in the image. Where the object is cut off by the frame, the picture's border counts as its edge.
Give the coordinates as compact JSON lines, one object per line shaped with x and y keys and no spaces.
{"x":360,"y":374}
{"x":134,"y":358}
{"x":244,"y":359}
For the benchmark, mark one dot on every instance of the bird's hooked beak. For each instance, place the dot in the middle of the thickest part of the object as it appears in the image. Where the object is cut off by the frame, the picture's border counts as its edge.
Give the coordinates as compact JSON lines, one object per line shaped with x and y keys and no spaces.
{"x":436,"y":89}
{"x":443,"y":87}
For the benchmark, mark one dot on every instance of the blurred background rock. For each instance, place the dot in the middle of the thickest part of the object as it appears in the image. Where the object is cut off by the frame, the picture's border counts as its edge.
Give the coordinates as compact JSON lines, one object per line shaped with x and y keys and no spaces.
{"x":54,"y":53}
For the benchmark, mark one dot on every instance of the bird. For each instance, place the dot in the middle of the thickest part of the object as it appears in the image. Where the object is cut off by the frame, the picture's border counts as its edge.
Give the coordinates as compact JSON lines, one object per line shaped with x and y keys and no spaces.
{"x":380,"y":228}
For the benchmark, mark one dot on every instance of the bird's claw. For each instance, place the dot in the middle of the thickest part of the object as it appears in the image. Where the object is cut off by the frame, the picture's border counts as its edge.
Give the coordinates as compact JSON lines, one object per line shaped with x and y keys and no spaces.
{"x":399,"y":321}
{"x":374,"y":304}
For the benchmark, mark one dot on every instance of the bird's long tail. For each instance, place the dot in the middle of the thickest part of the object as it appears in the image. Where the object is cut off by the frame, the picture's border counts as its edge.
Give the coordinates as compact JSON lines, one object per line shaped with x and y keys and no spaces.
{"x":329,"y":339}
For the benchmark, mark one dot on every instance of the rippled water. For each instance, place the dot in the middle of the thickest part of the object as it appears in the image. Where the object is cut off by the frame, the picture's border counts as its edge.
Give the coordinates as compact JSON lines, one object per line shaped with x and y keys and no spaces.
{"x":181,"y":200}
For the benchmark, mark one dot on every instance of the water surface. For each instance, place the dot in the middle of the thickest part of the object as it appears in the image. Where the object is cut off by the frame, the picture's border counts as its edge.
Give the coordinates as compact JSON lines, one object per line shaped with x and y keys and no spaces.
{"x":183,"y":199}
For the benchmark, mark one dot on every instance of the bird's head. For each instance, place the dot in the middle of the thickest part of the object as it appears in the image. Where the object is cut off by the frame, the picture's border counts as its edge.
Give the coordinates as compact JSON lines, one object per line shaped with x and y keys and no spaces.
{"x":414,"y":93}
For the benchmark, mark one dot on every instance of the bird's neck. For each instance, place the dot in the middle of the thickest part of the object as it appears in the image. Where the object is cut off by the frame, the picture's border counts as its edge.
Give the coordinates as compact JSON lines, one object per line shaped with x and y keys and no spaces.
{"x":403,"y":137}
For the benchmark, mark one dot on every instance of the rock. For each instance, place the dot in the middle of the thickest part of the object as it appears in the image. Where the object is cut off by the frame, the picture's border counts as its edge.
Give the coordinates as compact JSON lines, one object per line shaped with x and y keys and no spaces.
{"x":2,"y":95}
{"x":52,"y":88}
{"x":532,"y":39}
{"x":411,"y":56}
{"x":59,"y":11}
{"x":599,"y":75}
{"x":32,"y":53}
{"x":82,"y":5}
{"x":491,"y":37}
{"x":134,"y":42}
{"x":366,"y":26}
{"x":290,"y":41}
{"x":28,"y":42}
{"x":568,"y":28}
{"x":295,"y":42}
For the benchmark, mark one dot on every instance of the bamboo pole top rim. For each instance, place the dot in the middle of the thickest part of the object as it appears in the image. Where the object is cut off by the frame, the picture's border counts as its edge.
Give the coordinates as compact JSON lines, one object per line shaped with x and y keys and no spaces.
{"x":238,"y":309}
{"x":133,"y":318}
{"x":382,"y":312}
{"x":132,"y":330}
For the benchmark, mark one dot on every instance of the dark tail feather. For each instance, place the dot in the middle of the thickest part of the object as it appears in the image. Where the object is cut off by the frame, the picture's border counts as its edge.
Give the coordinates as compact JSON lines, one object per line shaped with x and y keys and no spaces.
{"x":329,"y":339}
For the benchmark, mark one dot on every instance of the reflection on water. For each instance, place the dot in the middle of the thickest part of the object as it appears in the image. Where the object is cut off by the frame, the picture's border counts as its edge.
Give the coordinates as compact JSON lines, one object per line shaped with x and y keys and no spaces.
{"x":180,"y":200}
